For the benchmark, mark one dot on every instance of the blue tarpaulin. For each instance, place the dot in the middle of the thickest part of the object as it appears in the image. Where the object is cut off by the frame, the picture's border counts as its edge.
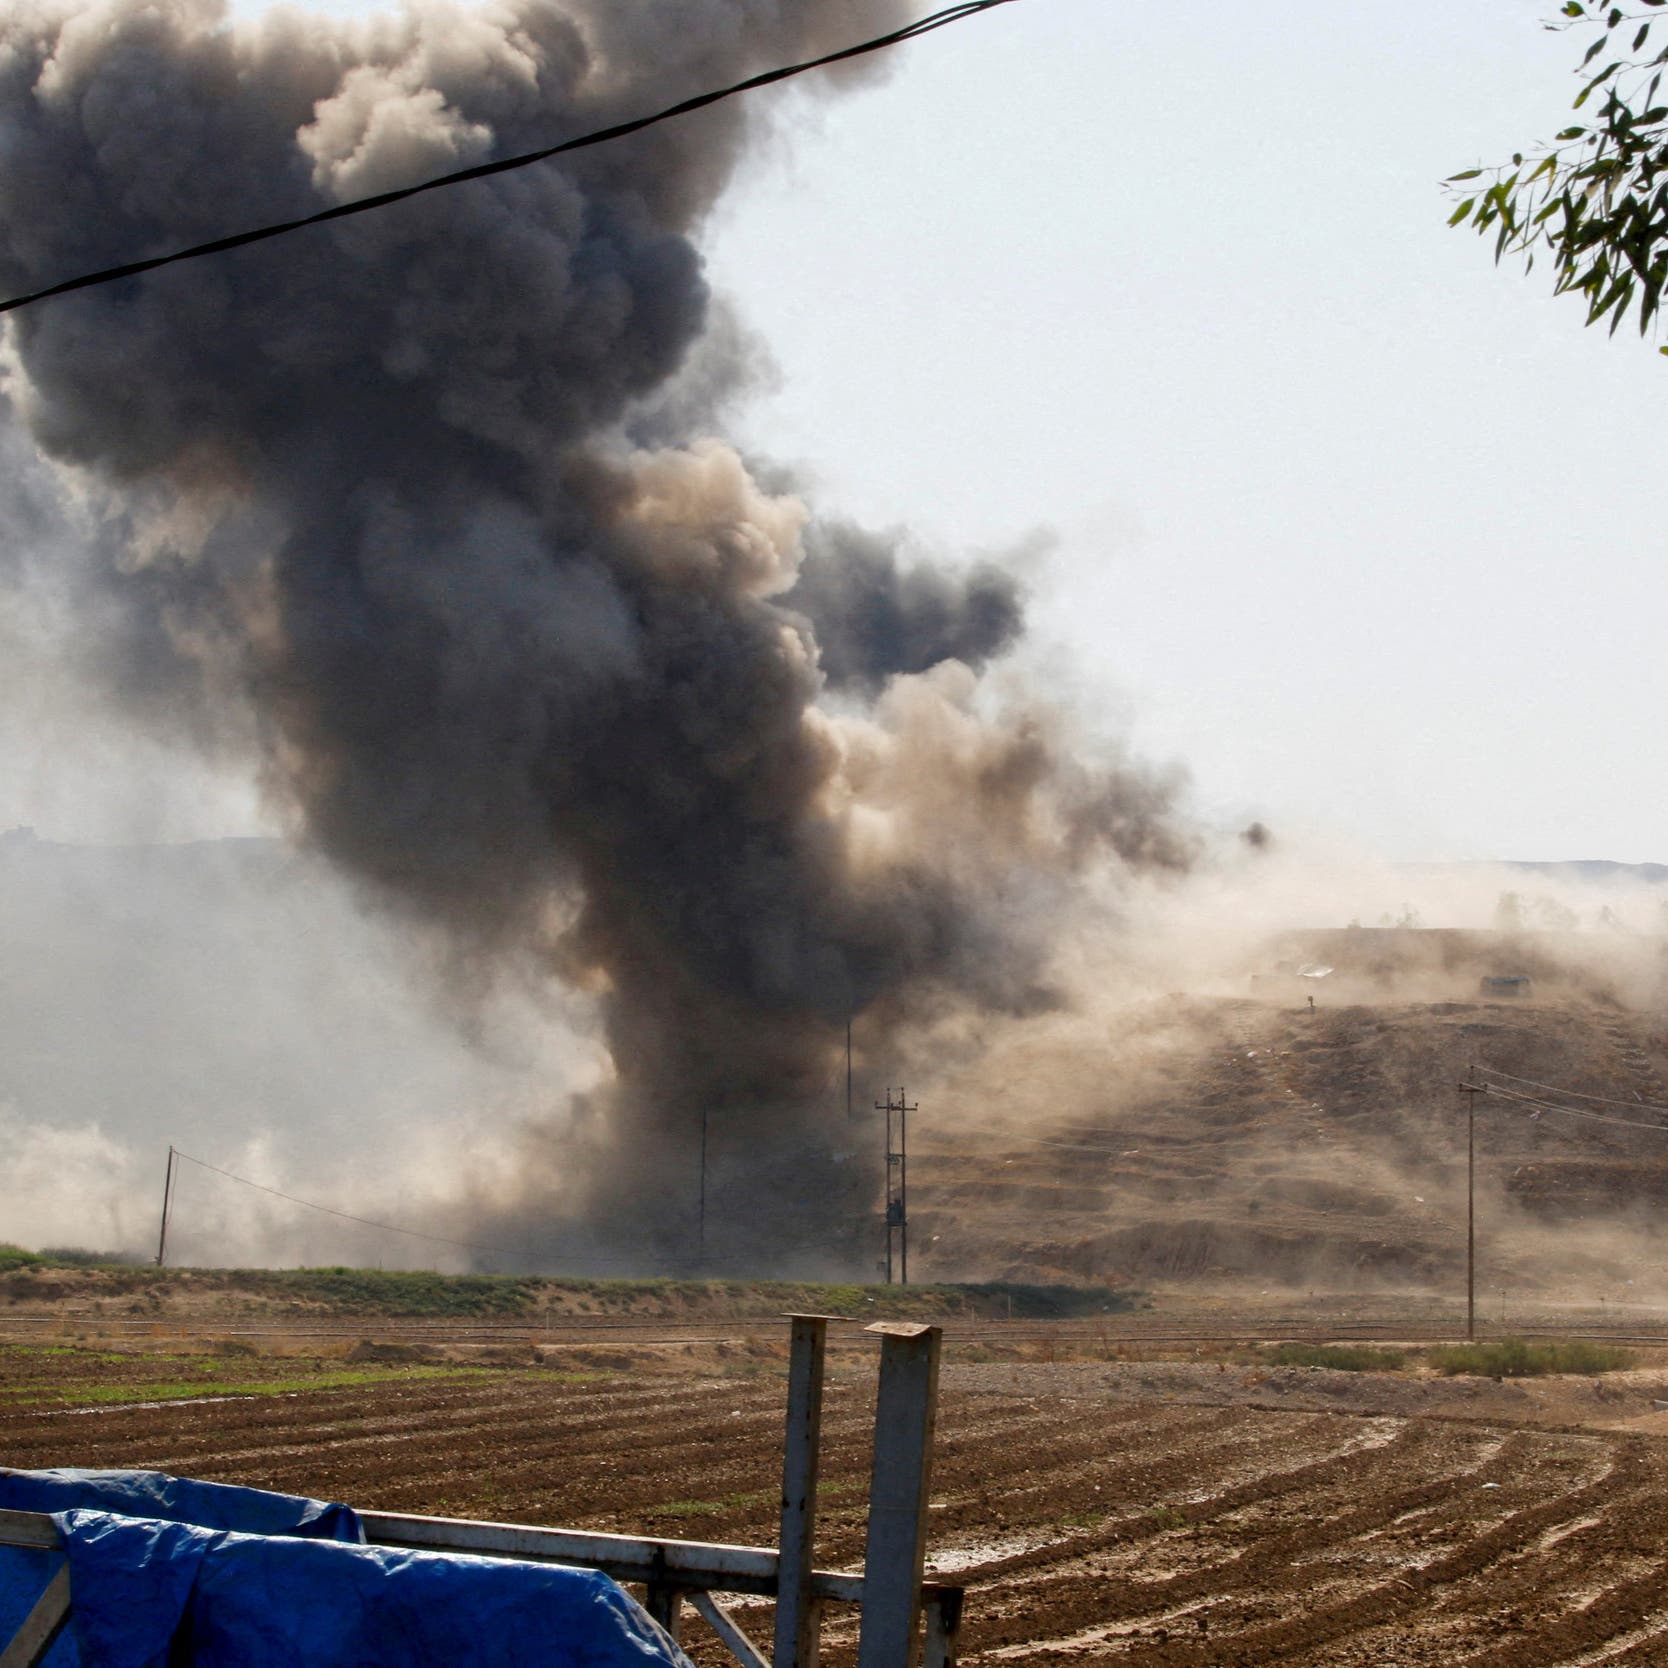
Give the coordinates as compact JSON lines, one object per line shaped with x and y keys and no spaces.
{"x":156,"y":1593}
{"x":178,"y":1500}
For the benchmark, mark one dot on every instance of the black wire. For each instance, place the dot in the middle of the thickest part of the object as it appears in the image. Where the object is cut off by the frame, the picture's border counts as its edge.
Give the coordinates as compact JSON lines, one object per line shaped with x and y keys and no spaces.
{"x":346,"y":1216}
{"x":1494,"y":1092}
{"x":484,"y":170}
{"x":523,"y":1255}
{"x":1573,"y":1094}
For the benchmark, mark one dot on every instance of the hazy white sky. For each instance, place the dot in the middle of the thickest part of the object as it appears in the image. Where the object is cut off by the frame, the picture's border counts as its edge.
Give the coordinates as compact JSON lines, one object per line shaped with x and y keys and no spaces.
{"x":1365,"y":531}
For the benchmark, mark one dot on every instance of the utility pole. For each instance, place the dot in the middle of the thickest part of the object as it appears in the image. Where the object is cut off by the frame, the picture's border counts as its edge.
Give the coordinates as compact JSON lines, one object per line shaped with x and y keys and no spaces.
{"x":848,"y":1069}
{"x":701,"y":1207}
{"x":897,"y":1180}
{"x":167,"y":1193}
{"x":1471,"y":1088}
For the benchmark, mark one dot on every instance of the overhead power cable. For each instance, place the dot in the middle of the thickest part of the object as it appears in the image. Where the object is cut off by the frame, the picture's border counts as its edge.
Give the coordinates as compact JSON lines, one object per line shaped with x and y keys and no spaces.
{"x":1574,"y":1094}
{"x":523,"y":1255}
{"x":347,"y":1216}
{"x":484,"y":170}
{"x":1497,"y":1093}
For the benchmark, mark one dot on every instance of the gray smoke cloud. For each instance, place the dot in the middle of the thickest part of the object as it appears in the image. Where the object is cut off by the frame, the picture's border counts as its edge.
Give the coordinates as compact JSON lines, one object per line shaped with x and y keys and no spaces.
{"x":425,"y":512}
{"x":873,"y":617}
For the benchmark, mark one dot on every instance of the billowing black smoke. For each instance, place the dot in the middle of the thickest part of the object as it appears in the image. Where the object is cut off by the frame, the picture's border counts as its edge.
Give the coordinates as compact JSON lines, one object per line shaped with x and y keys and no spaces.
{"x":873,"y":617}
{"x":378,"y":504}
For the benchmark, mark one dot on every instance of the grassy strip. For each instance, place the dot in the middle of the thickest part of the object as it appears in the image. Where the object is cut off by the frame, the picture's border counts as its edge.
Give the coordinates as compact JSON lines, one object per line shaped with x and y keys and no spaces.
{"x":1341,"y":1358}
{"x":417,"y":1292}
{"x":1516,"y":1358}
{"x":90,"y":1395}
{"x":528,"y":1297}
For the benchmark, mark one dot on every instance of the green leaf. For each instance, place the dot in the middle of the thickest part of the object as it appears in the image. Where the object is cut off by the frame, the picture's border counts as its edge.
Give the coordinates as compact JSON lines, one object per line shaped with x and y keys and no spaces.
{"x":1568,"y":133}
{"x":1619,"y":291}
{"x":1461,"y":212}
{"x":1469,"y":174}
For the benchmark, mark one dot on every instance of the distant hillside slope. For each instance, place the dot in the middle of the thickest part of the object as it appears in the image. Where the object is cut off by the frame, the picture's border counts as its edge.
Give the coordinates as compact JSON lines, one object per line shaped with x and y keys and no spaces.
{"x":1597,"y":868}
{"x":1242,"y":1139}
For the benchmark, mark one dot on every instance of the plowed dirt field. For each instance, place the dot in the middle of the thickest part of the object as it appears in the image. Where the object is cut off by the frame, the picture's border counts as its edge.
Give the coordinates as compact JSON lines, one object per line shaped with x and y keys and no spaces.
{"x":1097,"y":1513}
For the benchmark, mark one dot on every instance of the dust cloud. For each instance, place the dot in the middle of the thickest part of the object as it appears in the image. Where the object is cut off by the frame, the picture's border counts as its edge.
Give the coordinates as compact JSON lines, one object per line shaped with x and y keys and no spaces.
{"x":1257,"y":1088}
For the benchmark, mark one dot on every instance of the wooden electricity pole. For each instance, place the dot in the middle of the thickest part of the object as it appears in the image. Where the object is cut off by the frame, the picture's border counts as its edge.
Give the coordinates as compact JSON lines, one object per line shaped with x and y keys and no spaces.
{"x":1471,"y":1088}
{"x":848,"y":1068}
{"x":167,"y":1194}
{"x":701,"y":1205}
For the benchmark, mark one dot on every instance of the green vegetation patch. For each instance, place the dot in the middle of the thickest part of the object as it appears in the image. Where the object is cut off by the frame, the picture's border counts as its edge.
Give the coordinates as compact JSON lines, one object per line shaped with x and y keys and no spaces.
{"x":530,"y":1297}
{"x":1341,"y":1358}
{"x":420,"y":1292}
{"x":104,"y":1391}
{"x":1517,"y":1358}
{"x":396,"y":1291}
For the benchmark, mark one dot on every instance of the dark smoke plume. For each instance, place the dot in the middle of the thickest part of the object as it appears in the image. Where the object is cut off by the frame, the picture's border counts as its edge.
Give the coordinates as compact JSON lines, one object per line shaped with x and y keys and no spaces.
{"x":874,"y":618}
{"x":416,"y":509}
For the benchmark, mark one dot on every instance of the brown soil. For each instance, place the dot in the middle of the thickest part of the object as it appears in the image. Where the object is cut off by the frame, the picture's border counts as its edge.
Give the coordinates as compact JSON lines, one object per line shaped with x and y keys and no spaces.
{"x":1152,"y":1512}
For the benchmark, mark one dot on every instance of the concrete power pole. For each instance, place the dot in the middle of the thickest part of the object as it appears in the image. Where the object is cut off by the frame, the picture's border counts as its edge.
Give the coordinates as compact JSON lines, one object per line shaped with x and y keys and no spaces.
{"x":897,"y":1181}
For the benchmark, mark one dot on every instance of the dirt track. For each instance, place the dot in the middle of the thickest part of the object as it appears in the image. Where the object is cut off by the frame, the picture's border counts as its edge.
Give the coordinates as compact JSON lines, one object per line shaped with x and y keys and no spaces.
{"x":1096,"y":1512}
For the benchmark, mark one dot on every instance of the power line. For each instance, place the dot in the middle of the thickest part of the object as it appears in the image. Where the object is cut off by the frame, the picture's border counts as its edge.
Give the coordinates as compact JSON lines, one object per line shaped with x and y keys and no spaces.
{"x":1575,"y":1094}
{"x":347,"y":1216}
{"x":1569,"y":1111}
{"x":484,"y":170}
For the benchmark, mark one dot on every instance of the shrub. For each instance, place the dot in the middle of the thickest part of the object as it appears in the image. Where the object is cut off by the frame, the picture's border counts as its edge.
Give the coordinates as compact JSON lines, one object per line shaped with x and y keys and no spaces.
{"x":1342,"y":1358}
{"x":1516,"y":1358}
{"x":396,"y":1291}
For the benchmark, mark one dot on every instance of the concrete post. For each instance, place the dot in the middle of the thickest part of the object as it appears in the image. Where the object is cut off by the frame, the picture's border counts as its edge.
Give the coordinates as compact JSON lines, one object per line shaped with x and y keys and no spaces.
{"x":798,"y":1614}
{"x":905,"y":1413}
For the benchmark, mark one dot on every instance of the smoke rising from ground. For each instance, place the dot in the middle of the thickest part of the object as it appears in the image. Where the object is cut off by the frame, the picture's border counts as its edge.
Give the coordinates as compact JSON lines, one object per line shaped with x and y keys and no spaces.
{"x":426,"y":516}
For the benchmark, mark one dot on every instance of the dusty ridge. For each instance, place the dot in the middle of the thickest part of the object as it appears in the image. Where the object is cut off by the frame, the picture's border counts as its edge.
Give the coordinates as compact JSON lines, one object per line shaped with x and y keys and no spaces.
{"x":1245,"y":1140}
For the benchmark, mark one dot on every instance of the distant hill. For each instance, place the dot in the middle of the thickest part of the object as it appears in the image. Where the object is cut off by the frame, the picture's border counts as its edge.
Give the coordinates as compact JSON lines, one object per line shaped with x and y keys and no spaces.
{"x":1204,"y":1143}
{"x":1584,"y":870}
{"x":1596,"y":868}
